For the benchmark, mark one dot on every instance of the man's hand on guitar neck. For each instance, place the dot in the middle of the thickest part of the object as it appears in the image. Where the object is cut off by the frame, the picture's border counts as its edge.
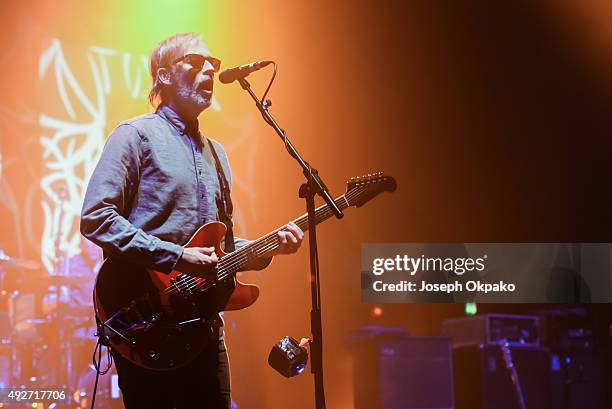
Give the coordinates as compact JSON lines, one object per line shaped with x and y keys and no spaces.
{"x":289,"y":239}
{"x":199,"y":262}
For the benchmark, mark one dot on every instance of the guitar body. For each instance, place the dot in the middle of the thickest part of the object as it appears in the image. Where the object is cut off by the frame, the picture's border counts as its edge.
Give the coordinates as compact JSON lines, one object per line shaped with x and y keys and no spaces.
{"x":154,"y":319}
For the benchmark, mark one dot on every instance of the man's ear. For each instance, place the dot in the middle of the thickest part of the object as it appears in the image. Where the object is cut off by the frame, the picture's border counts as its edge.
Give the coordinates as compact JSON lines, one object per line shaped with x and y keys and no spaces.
{"x":163,"y":75}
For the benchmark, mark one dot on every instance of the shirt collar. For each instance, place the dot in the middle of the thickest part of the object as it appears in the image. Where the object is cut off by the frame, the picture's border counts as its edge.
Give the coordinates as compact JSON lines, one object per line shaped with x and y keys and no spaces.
{"x":175,"y":120}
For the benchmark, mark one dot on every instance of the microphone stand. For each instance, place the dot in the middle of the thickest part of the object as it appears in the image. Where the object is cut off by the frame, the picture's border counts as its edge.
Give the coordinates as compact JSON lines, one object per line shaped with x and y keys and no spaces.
{"x":313,"y":186}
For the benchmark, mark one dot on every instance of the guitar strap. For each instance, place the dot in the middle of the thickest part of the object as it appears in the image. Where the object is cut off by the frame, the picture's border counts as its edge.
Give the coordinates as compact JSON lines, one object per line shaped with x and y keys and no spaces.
{"x":225,"y":206}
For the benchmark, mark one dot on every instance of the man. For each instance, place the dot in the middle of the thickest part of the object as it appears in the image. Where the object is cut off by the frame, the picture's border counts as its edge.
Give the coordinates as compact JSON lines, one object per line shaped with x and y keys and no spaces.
{"x":155,"y":184}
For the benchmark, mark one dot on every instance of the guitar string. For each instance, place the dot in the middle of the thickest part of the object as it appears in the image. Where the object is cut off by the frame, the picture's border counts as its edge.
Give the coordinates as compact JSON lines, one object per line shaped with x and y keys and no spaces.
{"x":228,"y":261}
{"x":270,"y":241}
{"x":262,"y":250}
{"x":272,"y":238}
{"x":202,"y":284}
{"x":264,"y":245}
{"x":258,"y":248}
{"x":227,"y":272}
{"x":190,"y":283}
{"x":237,"y":259}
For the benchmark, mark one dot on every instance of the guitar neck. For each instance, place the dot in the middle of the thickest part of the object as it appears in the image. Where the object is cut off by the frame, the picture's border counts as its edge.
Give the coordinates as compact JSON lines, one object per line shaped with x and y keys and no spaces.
{"x":322,"y":213}
{"x":263,"y":246}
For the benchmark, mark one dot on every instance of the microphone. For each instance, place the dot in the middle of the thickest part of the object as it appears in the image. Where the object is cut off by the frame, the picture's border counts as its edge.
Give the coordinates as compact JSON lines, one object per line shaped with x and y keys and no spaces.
{"x":232,"y":74}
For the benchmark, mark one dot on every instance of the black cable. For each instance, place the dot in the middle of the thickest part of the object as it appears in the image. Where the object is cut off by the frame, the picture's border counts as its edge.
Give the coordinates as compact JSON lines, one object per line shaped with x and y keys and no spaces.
{"x":96,"y":363}
{"x":265,"y":104}
{"x":270,"y":83}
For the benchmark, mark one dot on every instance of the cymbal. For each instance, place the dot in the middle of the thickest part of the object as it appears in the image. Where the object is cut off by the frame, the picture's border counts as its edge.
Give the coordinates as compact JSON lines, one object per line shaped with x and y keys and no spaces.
{"x":65,"y":280}
{"x":13,"y":262}
{"x":46,"y":280}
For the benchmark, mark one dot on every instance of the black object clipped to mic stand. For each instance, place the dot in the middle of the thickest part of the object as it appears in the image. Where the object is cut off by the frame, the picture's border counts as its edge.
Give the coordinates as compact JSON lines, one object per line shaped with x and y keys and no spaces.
{"x":313,"y":186}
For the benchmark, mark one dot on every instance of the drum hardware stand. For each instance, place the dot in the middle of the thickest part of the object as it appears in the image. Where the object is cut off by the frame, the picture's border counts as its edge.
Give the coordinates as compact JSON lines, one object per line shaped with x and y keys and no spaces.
{"x":507,"y":354}
{"x":64,"y":353}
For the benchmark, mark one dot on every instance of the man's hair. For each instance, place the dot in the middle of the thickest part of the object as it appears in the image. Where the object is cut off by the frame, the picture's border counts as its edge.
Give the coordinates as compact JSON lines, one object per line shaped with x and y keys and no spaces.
{"x":167,"y":51}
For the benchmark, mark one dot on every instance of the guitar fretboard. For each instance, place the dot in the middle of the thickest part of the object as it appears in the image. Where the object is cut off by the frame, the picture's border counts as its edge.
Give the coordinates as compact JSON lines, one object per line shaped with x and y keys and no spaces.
{"x":239,"y":259}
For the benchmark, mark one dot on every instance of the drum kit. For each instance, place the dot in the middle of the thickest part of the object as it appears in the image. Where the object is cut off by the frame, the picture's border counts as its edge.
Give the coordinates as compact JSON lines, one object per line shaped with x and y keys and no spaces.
{"x":47,"y":332}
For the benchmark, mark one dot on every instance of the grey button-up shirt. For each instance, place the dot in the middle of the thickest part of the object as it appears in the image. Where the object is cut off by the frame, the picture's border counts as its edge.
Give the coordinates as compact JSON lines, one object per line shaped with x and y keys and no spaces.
{"x":154,"y":186}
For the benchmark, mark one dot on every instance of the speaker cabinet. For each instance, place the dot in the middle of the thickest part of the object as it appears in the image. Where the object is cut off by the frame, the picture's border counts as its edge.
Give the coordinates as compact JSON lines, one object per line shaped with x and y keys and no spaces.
{"x":407,"y":372}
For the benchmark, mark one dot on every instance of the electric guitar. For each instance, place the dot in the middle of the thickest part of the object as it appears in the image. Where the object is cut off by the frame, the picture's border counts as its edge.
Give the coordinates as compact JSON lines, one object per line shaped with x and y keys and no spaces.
{"x":161,"y":321}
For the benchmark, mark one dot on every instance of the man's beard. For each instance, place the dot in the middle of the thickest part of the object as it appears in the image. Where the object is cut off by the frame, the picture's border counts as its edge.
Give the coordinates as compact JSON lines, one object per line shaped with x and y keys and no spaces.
{"x":190,"y":96}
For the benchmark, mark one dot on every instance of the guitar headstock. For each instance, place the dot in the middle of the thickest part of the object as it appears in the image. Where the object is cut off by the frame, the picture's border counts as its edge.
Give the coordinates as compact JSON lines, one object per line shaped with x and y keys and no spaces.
{"x":360,"y":189}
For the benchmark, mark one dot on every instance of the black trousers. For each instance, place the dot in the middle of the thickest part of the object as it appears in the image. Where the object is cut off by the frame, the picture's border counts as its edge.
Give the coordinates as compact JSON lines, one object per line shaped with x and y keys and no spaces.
{"x":203,"y":383}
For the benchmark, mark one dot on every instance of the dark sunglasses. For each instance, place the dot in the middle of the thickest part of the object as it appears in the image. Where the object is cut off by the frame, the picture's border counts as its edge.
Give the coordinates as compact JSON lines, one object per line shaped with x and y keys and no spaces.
{"x":197,"y":61}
